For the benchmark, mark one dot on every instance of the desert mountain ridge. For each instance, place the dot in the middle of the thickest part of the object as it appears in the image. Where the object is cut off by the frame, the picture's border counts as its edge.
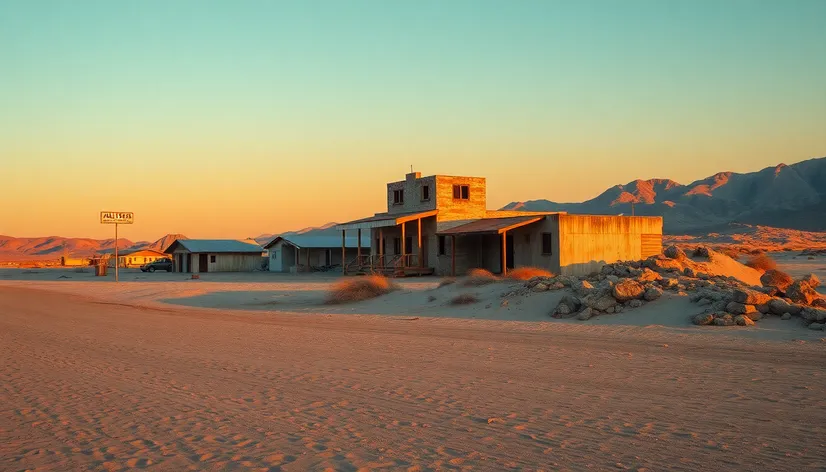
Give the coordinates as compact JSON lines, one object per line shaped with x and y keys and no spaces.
{"x":784,"y":196}
{"x":53,"y":247}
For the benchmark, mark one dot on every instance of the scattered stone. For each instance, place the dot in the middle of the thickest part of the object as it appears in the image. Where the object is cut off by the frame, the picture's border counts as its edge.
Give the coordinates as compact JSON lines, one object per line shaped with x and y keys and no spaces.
{"x":689,"y":272}
{"x":750,"y":297}
{"x":702,"y":276}
{"x":703,"y":251}
{"x":811,"y":280}
{"x":634,"y":303}
{"x":504,"y":303}
{"x":649,"y":275}
{"x":704,"y":302}
{"x":585,"y":314}
{"x":563,"y":309}
{"x":776,"y":278}
{"x":583,"y":287}
{"x":703,"y":319}
{"x":786,"y":316}
{"x":801,"y":292}
{"x":612,"y":278}
{"x":663,"y":264}
{"x":673,"y":252}
{"x":618,"y":309}
{"x":669,"y":284}
{"x":652,"y":294}
{"x":743,"y":320}
{"x":756,"y":316}
{"x":557,"y":286}
{"x":740,"y":309}
{"x":778,"y":306}
{"x":628,"y":290}
{"x":600,"y":303}
{"x":540,"y":287}
{"x":763,"y":308}
{"x":817,"y":326}
{"x":610,"y":309}
{"x":724,"y":320}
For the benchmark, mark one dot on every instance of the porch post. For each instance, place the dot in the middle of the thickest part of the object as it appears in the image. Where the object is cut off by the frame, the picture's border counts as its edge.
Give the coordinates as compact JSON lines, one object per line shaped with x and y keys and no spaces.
{"x":453,"y":255}
{"x":358,"y":253}
{"x":403,"y":244}
{"x":308,"y":260}
{"x":297,"y":260}
{"x":421,"y":252}
{"x":504,"y":252}
{"x":343,"y":253}
{"x":381,"y":247}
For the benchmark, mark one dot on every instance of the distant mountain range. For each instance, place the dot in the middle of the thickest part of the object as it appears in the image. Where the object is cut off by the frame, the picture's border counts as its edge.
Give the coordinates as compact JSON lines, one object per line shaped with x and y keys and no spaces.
{"x":326,"y":229}
{"x":53,"y":247}
{"x":792,"y":196}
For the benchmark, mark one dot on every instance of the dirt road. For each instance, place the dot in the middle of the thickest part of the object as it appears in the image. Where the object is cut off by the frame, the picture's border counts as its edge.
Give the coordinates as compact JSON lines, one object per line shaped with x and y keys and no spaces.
{"x":111,"y":387}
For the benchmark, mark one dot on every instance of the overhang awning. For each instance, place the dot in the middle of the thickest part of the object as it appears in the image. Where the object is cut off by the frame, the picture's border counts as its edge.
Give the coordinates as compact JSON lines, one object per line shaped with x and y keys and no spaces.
{"x":492,"y":225}
{"x":384,"y":220}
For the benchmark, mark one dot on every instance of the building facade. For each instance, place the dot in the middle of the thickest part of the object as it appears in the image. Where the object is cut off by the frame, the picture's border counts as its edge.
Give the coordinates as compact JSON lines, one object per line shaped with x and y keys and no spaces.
{"x":441,"y":224}
{"x":216,"y":255}
{"x":311,"y":253}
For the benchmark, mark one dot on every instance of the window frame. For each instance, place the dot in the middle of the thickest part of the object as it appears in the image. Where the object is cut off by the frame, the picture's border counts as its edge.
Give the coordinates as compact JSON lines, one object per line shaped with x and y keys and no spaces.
{"x":550,"y":242}
{"x":461,"y":192}
{"x":425,"y":190}
{"x":442,"y":245}
{"x":398,"y":196}
{"x":212,"y":258}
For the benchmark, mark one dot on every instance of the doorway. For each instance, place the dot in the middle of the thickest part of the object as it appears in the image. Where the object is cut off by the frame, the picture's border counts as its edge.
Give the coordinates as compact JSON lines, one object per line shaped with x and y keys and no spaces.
{"x":203,"y":262}
{"x":188,"y":262}
{"x":509,"y":251}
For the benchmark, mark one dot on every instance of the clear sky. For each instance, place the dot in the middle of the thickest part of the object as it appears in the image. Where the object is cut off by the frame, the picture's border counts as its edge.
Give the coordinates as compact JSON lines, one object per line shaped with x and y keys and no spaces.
{"x":234,"y":118}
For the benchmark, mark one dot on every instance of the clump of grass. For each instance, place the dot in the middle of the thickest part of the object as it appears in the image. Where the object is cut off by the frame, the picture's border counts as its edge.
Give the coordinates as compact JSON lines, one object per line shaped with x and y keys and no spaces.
{"x":464,"y":299}
{"x":479,"y":277}
{"x":446,"y":281}
{"x":527,"y":273}
{"x":360,"y":288}
{"x":762,"y":262}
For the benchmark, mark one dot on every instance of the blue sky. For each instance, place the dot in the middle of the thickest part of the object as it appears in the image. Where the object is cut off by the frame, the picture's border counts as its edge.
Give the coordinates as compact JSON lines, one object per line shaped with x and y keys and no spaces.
{"x":228,"y":103}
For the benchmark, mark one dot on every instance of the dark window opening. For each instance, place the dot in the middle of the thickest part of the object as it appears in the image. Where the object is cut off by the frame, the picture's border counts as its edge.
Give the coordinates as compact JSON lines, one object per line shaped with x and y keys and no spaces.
{"x":442,"y":245}
{"x":547,"y":246}
{"x":408,"y":245}
{"x":398,"y":197}
{"x":397,"y":246}
{"x":426,"y":192}
{"x":212,"y":259}
{"x":461,"y":192}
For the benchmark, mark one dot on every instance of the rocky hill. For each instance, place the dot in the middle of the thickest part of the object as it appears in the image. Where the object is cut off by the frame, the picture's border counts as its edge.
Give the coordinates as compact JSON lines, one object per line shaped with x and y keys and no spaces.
{"x":53,"y":247}
{"x":785,"y":196}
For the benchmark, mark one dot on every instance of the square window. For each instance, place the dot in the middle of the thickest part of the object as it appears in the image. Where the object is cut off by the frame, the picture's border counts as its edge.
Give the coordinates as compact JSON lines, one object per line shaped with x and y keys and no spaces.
{"x":547,"y":243}
{"x":425,"y":192}
{"x":212,"y":259}
{"x":398,"y":197}
{"x":442,"y":245}
{"x":461,"y":192}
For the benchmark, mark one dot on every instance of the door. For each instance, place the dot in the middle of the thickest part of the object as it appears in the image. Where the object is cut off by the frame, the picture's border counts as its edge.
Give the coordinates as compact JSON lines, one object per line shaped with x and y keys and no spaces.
{"x":203,"y":262}
{"x":328,"y":257}
{"x":188,"y":262}
{"x":425,"y":245}
{"x":509,"y":251}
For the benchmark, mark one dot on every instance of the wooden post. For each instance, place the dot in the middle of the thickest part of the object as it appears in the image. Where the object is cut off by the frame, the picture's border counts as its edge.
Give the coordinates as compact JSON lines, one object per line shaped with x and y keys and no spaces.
{"x":297,"y":254}
{"x":358,"y":253}
{"x":308,"y":260}
{"x":343,"y":252}
{"x":381,"y":247}
{"x":504,"y":253}
{"x":403,"y":244}
{"x":453,"y":255}
{"x":421,"y":252}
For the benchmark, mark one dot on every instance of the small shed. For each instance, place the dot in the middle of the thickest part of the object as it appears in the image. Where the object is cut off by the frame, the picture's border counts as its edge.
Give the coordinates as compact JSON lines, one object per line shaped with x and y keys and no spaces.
{"x":216,"y":255}
{"x":308,"y":253}
{"x":140,"y":257}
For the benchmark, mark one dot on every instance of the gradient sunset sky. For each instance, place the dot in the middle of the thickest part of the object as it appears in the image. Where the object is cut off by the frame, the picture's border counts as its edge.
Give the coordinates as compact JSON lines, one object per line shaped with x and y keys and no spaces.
{"x":236,"y":118}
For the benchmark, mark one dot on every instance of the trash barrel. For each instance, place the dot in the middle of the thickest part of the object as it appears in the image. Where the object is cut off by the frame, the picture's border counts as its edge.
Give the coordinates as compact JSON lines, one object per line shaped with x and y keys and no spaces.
{"x":100,"y":269}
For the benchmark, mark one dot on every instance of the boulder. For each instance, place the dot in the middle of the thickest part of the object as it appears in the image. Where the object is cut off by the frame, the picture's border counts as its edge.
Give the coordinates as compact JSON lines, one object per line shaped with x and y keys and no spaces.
{"x":652,"y":294}
{"x":817,"y":326}
{"x":562,"y":310}
{"x":750,"y":297}
{"x":649,"y":275}
{"x":634,"y":303}
{"x":572,"y":302}
{"x":724,"y":320}
{"x":583,"y":287}
{"x":776,"y":278}
{"x":786,"y":316}
{"x":610,"y":309}
{"x":764,"y":308}
{"x":811,"y":280}
{"x":743,"y":320}
{"x":778,"y":306}
{"x":612,"y":278}
{"x":673,"y":252}
{"x":689,"y":272}
{"x":819,"y":302}
{"x":740,"y":309}
{"x":540,"y":287}
{"x":663,"y":264}
{"x":669,"y":284}
{"x":585,"y":314}
{"x":628,"y":290}
{"x":756,"y":316}
{"x":703,"y":319}
{"x":600,"y":302}
{"x":703,"y":251}
{"x":556,"y":286}
{"x":801,"y":292}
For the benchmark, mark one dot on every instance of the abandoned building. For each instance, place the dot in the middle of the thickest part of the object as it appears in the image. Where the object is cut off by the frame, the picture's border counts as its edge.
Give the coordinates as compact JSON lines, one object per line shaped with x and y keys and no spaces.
{"x":440,"y":224}
{"x":313,"y":252}
{"x":215,"y":255}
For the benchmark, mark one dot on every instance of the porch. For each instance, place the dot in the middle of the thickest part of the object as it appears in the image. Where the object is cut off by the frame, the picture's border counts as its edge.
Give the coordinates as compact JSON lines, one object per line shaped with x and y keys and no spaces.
{"x":409,"y":234}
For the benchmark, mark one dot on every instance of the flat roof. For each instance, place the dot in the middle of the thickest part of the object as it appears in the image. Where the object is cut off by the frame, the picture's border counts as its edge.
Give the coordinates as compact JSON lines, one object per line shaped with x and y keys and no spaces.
{"x":383,"y":220}
{"x":215,"y":246}
{"x":321,"y":241}
{"x":492,"y":225}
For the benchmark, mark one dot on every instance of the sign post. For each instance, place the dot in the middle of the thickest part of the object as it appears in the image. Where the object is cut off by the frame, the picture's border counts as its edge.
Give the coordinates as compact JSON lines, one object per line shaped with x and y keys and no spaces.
{"x":116,"y":218}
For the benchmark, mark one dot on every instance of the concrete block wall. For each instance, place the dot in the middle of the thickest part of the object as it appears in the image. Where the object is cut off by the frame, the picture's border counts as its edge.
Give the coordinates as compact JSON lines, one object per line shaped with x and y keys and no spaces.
{"x":413,"y":201}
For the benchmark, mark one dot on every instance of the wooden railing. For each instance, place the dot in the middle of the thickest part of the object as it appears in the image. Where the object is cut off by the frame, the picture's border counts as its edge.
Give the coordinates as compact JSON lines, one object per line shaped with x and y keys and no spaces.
{"x":382,"y":263}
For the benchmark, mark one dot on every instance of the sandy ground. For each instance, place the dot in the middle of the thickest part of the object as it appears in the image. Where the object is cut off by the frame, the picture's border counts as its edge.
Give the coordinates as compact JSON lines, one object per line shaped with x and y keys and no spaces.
{"x":251,"y":372}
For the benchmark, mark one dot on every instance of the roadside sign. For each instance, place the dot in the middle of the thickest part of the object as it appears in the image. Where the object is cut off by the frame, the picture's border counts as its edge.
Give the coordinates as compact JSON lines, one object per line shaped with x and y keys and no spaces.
{"x":117,"y":217}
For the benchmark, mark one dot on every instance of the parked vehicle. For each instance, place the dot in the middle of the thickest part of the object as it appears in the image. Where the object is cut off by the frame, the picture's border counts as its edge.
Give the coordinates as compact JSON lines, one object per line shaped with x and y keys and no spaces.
{"x":160,"y":264}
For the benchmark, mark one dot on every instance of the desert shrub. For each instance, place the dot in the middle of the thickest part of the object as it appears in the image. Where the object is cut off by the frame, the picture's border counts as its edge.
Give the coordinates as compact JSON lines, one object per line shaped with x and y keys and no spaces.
{"x":446,"y":281}
{"x":361,"y":288}
{"x":479,"y":277}
{"x":762,"y":262}
{"x":464,"y":299}
{"x":527,"y":273}
{"x":731,"y":252}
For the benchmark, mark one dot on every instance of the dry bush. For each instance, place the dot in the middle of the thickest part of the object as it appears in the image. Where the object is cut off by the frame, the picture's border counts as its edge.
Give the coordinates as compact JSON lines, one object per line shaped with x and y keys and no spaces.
{"x":464,"y":299}
{"x":447,"y":281}
{"x":731,"y":252}
{"x":361,"y":288}
{"x":479,"y":277}
{"x":762,"y":262}
{"x":527,"y":273}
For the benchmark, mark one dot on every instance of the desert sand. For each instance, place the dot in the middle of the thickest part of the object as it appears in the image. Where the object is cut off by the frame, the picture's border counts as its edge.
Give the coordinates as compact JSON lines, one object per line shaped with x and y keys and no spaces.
{"x":252,"y":372}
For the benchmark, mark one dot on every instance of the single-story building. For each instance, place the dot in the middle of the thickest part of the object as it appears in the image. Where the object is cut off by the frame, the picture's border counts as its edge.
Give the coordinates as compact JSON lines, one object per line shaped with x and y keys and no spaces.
{"x":138,"y":258}
{"x":441,"y":224}
{"x":308,"y":252}
{"x":216,"y":255}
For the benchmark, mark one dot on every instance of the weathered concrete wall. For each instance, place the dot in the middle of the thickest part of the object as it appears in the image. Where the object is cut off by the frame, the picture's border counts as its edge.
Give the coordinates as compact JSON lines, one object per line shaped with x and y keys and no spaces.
{"x":588,"y":242}
{"x":451,"y":209}
{"x":232,"y":262}
{"x":413,"y":198}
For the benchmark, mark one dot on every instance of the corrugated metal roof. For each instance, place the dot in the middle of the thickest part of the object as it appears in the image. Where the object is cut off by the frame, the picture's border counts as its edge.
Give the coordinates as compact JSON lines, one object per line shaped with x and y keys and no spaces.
{"x":216,"y":245}
{"x":321,"y":241}
{"x":385,"y":219}
{"x":140,"y":252}
{"x":492,"y":225}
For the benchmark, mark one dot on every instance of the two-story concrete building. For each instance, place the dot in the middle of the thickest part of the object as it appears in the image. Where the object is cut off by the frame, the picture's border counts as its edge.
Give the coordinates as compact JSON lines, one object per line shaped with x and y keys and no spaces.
{"x":440,"y":224}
